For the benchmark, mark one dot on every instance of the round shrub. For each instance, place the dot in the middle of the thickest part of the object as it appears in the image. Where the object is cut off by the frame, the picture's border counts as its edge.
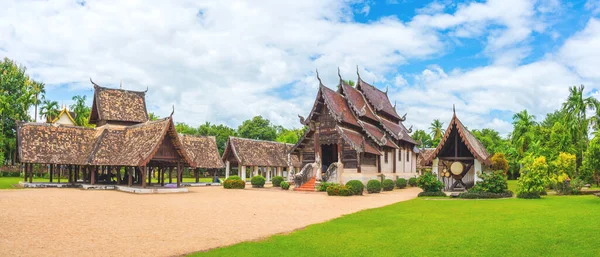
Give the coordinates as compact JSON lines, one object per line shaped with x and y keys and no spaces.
{"x":234,"y":177}
{"x":373,"y":186}
{"x":429,"y":183}
{"x":322,"y":187}
{"x":401,"y":183}
{"x":277,"y":181}
{"x":412,"y":182}
{"x":388,"y":185}
{"x":234,"y":183}
{"x":345,"y":191}
{"x":356,"y":186}
{"x":285,"y":185}
{"x":258,"y":181}
{"x":338,"y":190}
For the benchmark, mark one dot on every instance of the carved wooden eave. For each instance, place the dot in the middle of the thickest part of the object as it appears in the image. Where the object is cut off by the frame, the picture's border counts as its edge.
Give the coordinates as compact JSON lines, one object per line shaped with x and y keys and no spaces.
{"x":357,"y":148}
{"x":383,"y":141}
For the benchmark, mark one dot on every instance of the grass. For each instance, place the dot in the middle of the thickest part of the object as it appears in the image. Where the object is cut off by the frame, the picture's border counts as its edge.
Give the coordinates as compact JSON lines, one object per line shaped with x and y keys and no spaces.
{"x":8,"y":182}
{"x":552,"y":226}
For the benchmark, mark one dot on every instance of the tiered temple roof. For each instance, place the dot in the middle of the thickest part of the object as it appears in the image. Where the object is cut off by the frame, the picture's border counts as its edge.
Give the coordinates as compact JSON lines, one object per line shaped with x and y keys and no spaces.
{"x":115,"y":144}
{"x":365,"y":118}
{"x":251,"y":152}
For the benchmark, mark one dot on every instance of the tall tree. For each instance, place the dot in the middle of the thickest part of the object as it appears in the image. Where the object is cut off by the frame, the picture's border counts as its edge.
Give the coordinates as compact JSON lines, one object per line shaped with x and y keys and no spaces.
{"x":575,"y":109}
{"x":49,"y":110}
{"x":289,"y":136}
{"x":220,"y":132}
{"x":257,"y":128}
{"x":436,"y":131}
{"x":522,"y":136}
{"x":81,"y":110}
{"x":152,"y":116}
{"x":421,"y":136}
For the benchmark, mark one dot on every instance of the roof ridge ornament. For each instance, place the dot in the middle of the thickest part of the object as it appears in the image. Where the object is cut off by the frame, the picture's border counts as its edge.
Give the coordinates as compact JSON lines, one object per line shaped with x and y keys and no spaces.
{"x":453,"y":109}
{"x":394,"y":104}
{"x":146,"y":90}
{"x":403,"y":118}
{"x":363,"y":110}
{"x":410,"y":129}
{"x":121,"y":85}
{"x":386,"y":89}
{"x":319,"y":78}
{"x":173,"y":111}
{"x":302,"y":119}
{"x":95,"y":85}
{"x":357,"y":73}
{"x":340,"y":75}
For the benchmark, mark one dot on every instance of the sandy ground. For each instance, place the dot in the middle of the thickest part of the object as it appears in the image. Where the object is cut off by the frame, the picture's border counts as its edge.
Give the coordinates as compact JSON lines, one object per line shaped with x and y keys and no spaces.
{"x":74,"y":222}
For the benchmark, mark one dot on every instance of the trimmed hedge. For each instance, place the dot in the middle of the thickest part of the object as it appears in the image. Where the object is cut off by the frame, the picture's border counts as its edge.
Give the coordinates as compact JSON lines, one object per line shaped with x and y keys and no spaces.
{"x":439,"y":193}
{"x":412,"y":182}
{"x":234,"y":177}
{"x":531,"y":195}
{"x":401,"y":183}
{"x":388,"y":185}
{"x":339,"y":190}
{"x":285,"y":185}
{"x":277,"y":181}
{"x":234,"y":183}
{"x":258,"y":181}
{"x":356,"y":186}
{"x":373,"y":186}
{"x":485,"y":195}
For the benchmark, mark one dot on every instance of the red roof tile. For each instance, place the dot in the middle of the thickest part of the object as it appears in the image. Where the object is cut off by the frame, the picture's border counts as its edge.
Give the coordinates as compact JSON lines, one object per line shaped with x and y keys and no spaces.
{"x":378,"y":99}
{"x":338,"y":105}
{"x":357,"y":102}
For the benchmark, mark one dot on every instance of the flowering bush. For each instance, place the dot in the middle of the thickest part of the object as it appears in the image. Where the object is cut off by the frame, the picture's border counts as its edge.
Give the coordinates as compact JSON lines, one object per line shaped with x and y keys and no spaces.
{"x":533,"y":178}
{"x":429,"y":183}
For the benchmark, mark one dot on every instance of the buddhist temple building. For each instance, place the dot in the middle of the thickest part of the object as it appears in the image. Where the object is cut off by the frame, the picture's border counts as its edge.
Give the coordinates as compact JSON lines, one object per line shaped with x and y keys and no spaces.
{"x":458,"y":158}
{"x":249,"y":157}
{"x":354,"y":133}
{"x":124,"y":147}
{"x":65,"y":117}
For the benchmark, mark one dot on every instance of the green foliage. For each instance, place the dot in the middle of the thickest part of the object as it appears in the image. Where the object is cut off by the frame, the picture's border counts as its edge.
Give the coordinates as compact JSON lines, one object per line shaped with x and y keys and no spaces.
{"x":591,"y":164}
{"x":533,"y":179}
{"x":356,"y":186}
{"x":499,"y":162}
{"x":322,"y":187}
{"x":401,"y":183}
{"x":485,"y":195}
{"x":491,"y":140}
{"x":257,"y":128}
{"x":49,"y":110}
{"x":234,"y":182}
{"x":565,"y":163}
{"x":289,"y":136}
{"x":277,"y":181}
{"x":421,"y":136}
{"x":413,"y":181}
{"x":492,"y":182}
{"x":220,"y":132}
{"x":429,"y":183}
{"x":373,"y":186}
{"x":388,"y":185}
{"x":258,"y":181}
{"x":436,"y":132}
{"x":152,"y":116}
{"x":81,"y":110}
{"x":339,"y":190}
{"x":437,"y":193}
{"x":285,"y":185}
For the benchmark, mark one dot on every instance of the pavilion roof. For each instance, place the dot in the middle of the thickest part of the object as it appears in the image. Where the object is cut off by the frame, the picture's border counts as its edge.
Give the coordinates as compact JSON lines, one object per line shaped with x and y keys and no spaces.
{"x":118,"y":105}
{"x":377,"y":135}
{"x":203,"y":151}
{"x":424,"y":157}
{"x":473,"y":144}
{"x":378,"y":99}
{"x":252,"y":152}
{"x":338,"y":105}
{"x":397,"y":130}
{"x":357,"y":101}
{"x":357,"y":141}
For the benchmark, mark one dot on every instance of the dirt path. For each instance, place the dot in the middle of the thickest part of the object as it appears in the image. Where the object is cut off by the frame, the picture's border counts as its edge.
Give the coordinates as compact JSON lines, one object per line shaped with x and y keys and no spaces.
{"x":73,"y":222}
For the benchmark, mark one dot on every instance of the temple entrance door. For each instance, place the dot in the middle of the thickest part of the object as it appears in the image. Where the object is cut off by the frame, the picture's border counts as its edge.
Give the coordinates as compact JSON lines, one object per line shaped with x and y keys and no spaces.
{"x":329,"y":156}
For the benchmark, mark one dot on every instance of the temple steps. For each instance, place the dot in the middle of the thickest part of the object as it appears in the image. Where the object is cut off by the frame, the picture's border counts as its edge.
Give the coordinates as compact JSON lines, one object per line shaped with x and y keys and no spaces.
{"x":309,"y":186}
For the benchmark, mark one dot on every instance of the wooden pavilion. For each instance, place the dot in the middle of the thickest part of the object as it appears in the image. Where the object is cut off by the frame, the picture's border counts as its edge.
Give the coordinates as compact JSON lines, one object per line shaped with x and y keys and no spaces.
{"x":458,"y":158}
{"x":265,"y":158}
{"x":125,"y":146}
{"x":354,"y":133}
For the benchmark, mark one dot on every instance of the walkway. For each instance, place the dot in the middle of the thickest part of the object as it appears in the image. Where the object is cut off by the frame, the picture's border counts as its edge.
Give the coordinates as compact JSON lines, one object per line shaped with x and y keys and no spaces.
{"x":74,"y":222}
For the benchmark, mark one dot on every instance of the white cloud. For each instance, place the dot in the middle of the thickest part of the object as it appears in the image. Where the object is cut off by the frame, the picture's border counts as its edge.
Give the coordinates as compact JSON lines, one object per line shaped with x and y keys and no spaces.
{"x":593,"y":5}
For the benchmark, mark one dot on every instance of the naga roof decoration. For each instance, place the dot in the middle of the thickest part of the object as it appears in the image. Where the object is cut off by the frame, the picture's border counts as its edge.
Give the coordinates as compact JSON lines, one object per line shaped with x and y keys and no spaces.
{"x":357,"y":141}
{"x":378,"y":99}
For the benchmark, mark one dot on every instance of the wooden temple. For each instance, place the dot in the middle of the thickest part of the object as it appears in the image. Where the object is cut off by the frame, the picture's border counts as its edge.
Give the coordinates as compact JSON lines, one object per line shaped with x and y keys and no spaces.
{"x":354,"y":133}
{"x":249,"y":157}
{"x":458,"y":158}
{"x":124,"y":148}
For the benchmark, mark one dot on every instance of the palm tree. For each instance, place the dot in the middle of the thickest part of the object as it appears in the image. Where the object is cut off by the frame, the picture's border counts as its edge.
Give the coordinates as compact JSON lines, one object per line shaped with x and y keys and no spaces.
{"x":436,"y":129}
{"x":522,"y":135}
{"x":575,"y":109}
{"x":38,"y":88}
{"x":81,"y":110}
{"x":49,"y":110}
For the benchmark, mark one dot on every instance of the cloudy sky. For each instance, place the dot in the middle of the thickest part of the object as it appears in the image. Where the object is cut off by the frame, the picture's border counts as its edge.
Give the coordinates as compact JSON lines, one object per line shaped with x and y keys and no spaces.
{"x":227,"y":61}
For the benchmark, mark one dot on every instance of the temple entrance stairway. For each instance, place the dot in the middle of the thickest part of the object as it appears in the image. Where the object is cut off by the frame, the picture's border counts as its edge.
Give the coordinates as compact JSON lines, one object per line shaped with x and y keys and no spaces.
{"x":309,"y":186}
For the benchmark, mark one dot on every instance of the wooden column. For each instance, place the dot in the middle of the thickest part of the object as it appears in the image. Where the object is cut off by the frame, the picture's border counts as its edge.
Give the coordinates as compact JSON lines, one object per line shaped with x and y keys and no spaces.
{"x":379,"y":162}
{"x":317,"y":145}
{"x":77,"y":169}
{"x":92,"y":171}
{"x":59,"y":167}
{"x":178,"y":173}
{"x":118,"y":173}
{"x":150,"y":171}
{"x":51,"y":171}
{"x":129,"y":171}
{"x":31,"y":173}
{"x":70,"y":174}
{"x":394,"y":159}
{"x":170,"y":175}
{"x":357,"y":162}
{"x":25,"y":171}
{"x":197,"y":171}
{"x":162,"y":176}
{"x":143,"y":172}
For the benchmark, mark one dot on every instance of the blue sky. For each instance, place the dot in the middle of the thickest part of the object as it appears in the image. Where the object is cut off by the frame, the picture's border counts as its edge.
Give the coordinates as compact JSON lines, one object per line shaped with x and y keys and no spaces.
{"x":227,"y":61}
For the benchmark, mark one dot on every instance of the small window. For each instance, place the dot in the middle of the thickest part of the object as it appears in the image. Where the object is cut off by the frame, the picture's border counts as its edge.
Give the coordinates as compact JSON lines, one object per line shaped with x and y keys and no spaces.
{"x":385,"y":154}
{"x":399,"y":155}
{"x":407,"y":156}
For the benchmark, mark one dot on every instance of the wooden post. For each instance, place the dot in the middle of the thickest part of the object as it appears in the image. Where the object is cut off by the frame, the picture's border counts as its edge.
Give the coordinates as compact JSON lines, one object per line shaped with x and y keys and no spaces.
{"x":197,"y":170}
{"x":394,"y":159}
{"x":92,"y":175}
{"x":129,"y":175}
{"x":31,"y":173}
{"x":59,"y":167}
{"x":69,"y":176}
{"x":51,"y":171}
{"x":143,"y":171}
{"x":25,"y":171}
{"x":357,"y":162}
{"x":178,"y":173}
{"x":150,"y":171}
{"x":162,"y":176}
{"x":118,"y":172}
{"x":170,"y":175}
{"x":379,"y":162}
{"x":77,"y":169}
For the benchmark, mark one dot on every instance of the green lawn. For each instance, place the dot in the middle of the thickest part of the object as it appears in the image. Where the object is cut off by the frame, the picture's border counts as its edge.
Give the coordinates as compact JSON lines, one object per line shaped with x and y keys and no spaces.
{"x":552,"y":226}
